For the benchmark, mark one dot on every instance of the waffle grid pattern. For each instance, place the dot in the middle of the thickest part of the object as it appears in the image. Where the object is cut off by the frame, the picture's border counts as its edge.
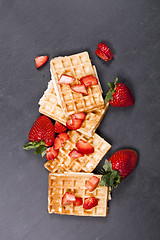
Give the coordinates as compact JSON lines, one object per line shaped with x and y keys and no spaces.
{"x":87,"y":163}
{"x":78,"y":65}
{"x":49,"y":106}
{"x":59,"y":184}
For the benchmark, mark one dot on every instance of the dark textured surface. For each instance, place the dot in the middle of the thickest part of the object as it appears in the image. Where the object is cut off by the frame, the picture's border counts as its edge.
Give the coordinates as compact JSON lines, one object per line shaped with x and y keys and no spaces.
{"x":31,"y":28}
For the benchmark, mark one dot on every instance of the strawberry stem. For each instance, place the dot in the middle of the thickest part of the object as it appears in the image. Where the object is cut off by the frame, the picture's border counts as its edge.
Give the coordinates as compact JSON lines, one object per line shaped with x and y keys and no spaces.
{"x":109,"y":95}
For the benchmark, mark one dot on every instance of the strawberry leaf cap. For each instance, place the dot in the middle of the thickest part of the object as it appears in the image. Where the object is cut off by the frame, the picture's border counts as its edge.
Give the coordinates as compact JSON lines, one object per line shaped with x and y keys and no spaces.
{"x":110,"y":178}
{"x":112,"y":86}
{"x":39,"y":146}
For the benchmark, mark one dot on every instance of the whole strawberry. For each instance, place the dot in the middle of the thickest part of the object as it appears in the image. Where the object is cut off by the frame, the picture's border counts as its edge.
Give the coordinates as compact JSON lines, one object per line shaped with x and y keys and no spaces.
{"x":120,"y":165}
{"x":41,"y":135}
{"x":119,"y":95}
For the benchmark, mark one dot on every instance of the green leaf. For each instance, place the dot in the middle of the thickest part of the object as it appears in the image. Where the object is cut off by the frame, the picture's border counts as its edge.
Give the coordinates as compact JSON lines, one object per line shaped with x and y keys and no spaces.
{"x":32,"y":145}
{"x":111,"y":85}
{"x":108,"y":97}
{"x":107,"y":166}
{"x":116,"y":81}
{"x":41,"y":149}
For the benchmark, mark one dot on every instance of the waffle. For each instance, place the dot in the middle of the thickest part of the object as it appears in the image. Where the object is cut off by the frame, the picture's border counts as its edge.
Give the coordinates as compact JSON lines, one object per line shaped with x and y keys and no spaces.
{"x":49,"y":106}
{"x":59,"y":184}
{"x":87,"y":163}
{"x":78,"y":65}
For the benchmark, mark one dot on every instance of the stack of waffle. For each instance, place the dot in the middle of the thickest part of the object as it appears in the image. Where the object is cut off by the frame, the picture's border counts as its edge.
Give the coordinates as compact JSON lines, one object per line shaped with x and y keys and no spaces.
{"x":59,"y":102}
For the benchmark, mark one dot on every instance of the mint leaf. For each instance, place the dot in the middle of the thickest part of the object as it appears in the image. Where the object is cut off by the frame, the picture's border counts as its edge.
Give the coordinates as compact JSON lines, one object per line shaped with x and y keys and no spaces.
{"x":41,"y":149}
{"x":32,"y":145}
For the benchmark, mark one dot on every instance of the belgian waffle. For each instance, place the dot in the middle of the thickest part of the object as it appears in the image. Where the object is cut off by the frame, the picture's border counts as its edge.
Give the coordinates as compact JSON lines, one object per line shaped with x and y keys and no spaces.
{"x":77,"y":65}
{"x":87,"y":163}
{"x":59,"y":184}
{"x":50,"y":107}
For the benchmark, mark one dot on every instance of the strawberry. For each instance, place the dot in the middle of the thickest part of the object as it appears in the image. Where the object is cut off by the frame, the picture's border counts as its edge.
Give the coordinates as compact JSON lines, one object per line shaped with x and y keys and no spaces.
{"x":80,"y":116}
{"x":60,"y":139}
{"x":103,"y":47}
{"x":41,"y":60}
{"x":124,"y":161}
{"x":73,"y":124}
{"x":66,"y":79}
{"x":92,"y":183}
{"x":51,"y":153}
{"x":119,"y":95}
{"x":118,"y":167}
{"x":78,"y":202}
{"x":68,"y":198}
{"x":75,"y":154}
{"x":90,"y":203}
{"x":89,"y":80}
{"x":60,"y":128}
{"x":101,"y":54}
{"x":79,"y":88}
{"x":42,"y":129}
{"x":84,"y":147}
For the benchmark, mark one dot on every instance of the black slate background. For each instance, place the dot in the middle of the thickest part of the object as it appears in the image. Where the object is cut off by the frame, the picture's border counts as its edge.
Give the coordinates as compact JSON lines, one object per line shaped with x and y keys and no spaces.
{"x":31,"y":28}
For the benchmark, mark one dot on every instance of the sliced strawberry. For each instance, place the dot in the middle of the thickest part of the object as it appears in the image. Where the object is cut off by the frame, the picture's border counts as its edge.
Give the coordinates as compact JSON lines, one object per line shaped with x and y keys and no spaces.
{"x":42,"y":129}
{"x":92,"y":183}
{"x":104,"y":48}
{"x":80,"y":116}
{"x":79,"y":88}
{"x":101,"y":54}
{"x":84,"y":147}
{"x":75,"y":154}
{"x":68,"y":198}
{"x":41,"y":60}
{"x":63,"y":136}
{"x":90,"y":203}
{"x":66,"y":79}
{"x":78,"y":202}
{"x":73,"y":124}
{"x":89,"y":80}
{"x":58,"y":143}
{"x":51,"y":153}
{"x":60,"y":128}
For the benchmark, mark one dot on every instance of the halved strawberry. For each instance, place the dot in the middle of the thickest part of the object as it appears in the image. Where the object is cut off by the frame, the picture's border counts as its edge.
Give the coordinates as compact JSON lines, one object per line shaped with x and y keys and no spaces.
{"x":89,"y":80}
{"x":79,"y":88}
{"x":60,"y":139}
{"x":66,"y":79}
{"x":90,"y":203}
{"x":92,"y":183}
{"x":84,"y":147}
{"x":41,"y":60}
{"x":101,"y":54}
{"x":73,"y":124}
{"x":58,"y":143}
{"x":75,"y":154}
{"x":78,"y":202}
{"x":68,"y":198}
{"x":104,"y":48}
{"x":51,"y":153}
{"x":63,"y":136}
{"x":60,"y":128}
{"x":80,"y":116}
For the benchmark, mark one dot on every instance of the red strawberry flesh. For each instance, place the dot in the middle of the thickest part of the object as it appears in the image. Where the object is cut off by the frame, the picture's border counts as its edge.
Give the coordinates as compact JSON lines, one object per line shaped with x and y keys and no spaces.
{"x":104,"y":48}
{"x":63,"y":136}
{"x":101,"y":54}
{"x":73,"y":124}
{"x":90,"y":203}
{"x":41,"y":60}
{"x":68,"y":198}
{"x":51,"y":153}
{"x":84,"y":147}
{"x":42,"y":129}
{"x":60,"y":128}
{"x":75,"y":154}
{"x":92,"y":183}
{"x":80,"y":116}
{"x":58,"y":143}
{"x":79,"y":88}
{"x":124,"y":161}
{"x":78,"y":202}
{"x":66,"y":79}
{"x":89,"y":80}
